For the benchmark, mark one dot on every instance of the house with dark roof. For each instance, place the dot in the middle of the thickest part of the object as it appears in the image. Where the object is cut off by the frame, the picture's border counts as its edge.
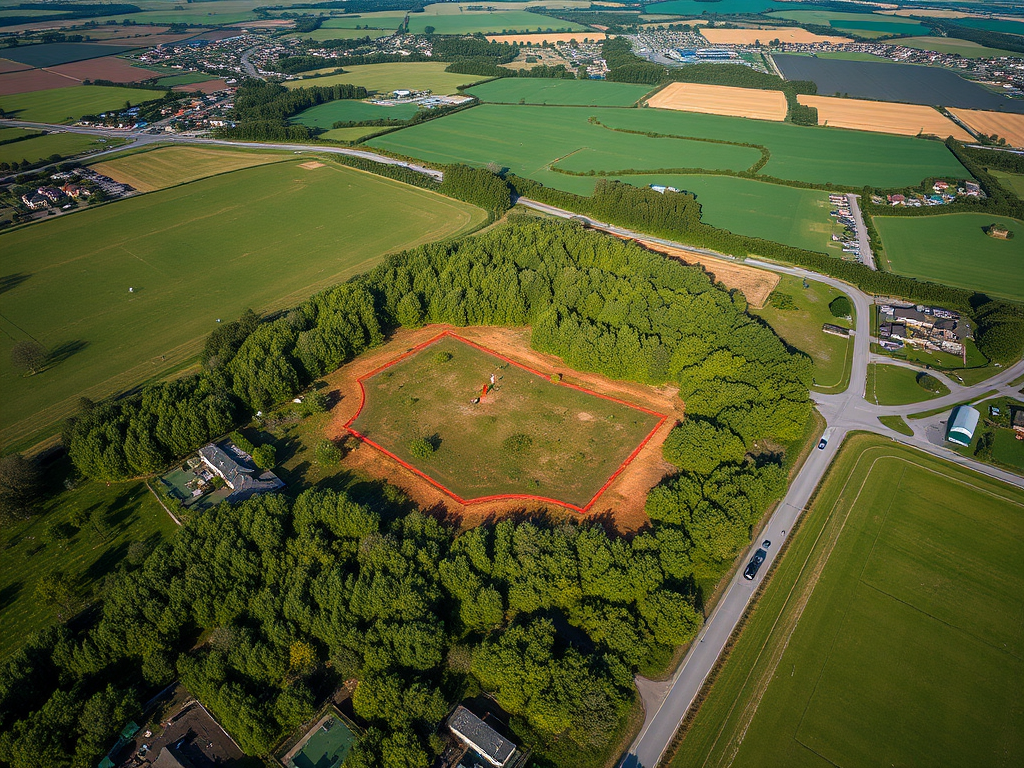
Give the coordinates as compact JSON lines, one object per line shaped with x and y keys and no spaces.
{"x":235,"y":467}
{"x":34,"y":201}
{"x":482,"y":741}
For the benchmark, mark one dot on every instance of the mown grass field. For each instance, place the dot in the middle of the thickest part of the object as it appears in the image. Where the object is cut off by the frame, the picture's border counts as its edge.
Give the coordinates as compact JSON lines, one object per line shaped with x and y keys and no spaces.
{"x":263,"y":237}
{"x":350,"y":134}
{"x":66,"y":105}
{"x":896,"y":385}
{"x":965,"y":48}
{"x":586,"y":93}
{"x":574,"y":441}
{"x":1012,"y":181}
{"x":384,"y":78}
{"x":488,"y":22}
{"x":63,"y":144}
{"x":170,"y":166}
{"x":862,"y":23}
{"x":800,"y":327}
{"x":105,"y":520}
{"x":954,"y":249}
{"x":890,"y":632}
{"x":351,"y":110}
{"x":530,"y":139}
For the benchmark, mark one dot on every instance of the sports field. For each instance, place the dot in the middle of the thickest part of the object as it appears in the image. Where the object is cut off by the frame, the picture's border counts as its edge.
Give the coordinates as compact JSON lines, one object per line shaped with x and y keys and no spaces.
{"x":264,"y":237}
{"x":526,"y":436}
{"x":721,"y":100}
{"x":1006,"y":126}
{"x":384,"y":78}
{"x":63,"y":144}
{"x":585,"y":93}
{"x":954,"y":249}
{"x":799,"y":325}
{"x":895,"y":385}
{"x":170,"y":166}
{"x":352,"y":111}
{"x":884,"y":117}
{"x":326,"y":745}
{"x":530,"y":139}
{"x":889,"y":634}
{"x":66,"y":105}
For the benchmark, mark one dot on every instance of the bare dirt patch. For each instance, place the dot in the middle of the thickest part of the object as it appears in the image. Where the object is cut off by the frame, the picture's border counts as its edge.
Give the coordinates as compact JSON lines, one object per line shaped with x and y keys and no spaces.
{"x":31,"y":80}
{"x":721,"y":100}
{"x":311,"y":165}
{"x":106,"y":68}
{"x":6,"y":65}
{"x":884,"y":117}
{"x":756,"y":284}
{"x":766,"y":34}
{"x":620,"y":506}
{"x":1002,"y":124}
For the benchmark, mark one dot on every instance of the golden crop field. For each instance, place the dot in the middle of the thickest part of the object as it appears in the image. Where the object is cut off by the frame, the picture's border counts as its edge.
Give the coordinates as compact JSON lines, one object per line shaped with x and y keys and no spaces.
{"x":764,"y":34}
{"x":883,"y":117}
{"x":550,"y":37}
{"x":170,"y":166}
{"x":721,"y":100}
{"x":1003,"y":124}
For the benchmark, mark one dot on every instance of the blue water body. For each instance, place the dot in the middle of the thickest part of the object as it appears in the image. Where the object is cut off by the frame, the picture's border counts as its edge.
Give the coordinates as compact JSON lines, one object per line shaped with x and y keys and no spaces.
{"x":696,"y":8}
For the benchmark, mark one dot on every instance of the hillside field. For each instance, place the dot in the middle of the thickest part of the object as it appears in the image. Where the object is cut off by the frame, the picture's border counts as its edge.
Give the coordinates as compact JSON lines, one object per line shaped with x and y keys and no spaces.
{"x":264,"y":237}
{"x":66,"y":105}
{"x":890,"y":631}
{"x":63,"y":144}
{"x":953,"y":249}
{"x":531,"y":139}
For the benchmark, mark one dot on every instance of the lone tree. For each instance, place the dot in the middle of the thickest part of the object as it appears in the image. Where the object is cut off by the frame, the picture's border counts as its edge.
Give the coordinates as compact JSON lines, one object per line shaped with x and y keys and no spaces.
{"x":29,"y":356}
{"x":422,"y":448}
{"x":57,"y":590}
{"x":840,"y":307}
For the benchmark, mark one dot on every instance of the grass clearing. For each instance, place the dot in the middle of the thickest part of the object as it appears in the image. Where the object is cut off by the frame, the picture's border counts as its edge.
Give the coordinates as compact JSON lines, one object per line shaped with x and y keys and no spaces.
{"x":384,"y":78}
{"x":1011,"y":181}
{"x":846,"y":657}
{"x":896,"y":385}
{"x":897,"y":423}
{"x":66,"y":105}
{"x":585,"y":93}
{"x":264,"y":237}
{"x":350,"y":110}
{"x":954,"y":249}
{"x":63,"y":144}
{"x":800,"y":328}
{"x":105,"y":520}
{"x":350,"y":134}
{"x":170,"y":166}
{"x":526,"y":436}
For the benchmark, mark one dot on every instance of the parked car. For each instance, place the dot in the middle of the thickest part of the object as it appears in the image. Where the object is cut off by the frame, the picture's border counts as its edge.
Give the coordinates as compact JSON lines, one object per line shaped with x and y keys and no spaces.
{"x":822,"y":443}
{"x":755,"y":562}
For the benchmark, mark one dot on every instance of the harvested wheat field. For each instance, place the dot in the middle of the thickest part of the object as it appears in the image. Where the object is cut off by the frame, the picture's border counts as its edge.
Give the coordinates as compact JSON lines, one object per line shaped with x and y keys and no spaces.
{"x":550,"y":37}
{"x":721,"y":100}
{"x":756,"y":284}
{"x":883,"y":117}
{"x":207,"y":86}
{"x":766,"y":34}
{"x":30,"y":80}
{"x":1002,"y":124}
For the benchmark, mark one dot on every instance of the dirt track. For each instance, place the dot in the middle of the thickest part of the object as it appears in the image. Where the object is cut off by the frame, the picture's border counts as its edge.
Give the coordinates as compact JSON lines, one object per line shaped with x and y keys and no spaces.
{"x":721,"y":100}
{"x":621,"y":505}
{"x":883,"y":117}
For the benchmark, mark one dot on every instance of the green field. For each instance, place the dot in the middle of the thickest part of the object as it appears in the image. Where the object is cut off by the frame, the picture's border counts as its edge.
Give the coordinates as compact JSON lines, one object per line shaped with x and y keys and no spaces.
{"x":384,"y":78}
{"x":896,"y":385}
{"x":953,"y":249}
{"x":1011,"y":181}
{"x":169,"y":166}
{"x":530,"y":139}
{"x":350,"y":134}
{"x":9,"y":134}
{"x":1006,"y":450}
{"x":897,"y":423}
{"x":801,"y":329}
{"x":864,"y":24}
{"x":105,"y":520}
{"x":66,"y":105}
{"x":889,"y":634}
{"x":187,"y":78}
{"x":341,"y":34}
{"x":264,"y":237}
{"x":351,"y":110}
{"x":964,"y":48}
{"x":574,"y":441}
{"x":63,"y":144}
{"x":493,"y":22}
{"x":585,"y":93}
{"x":384,"y":21}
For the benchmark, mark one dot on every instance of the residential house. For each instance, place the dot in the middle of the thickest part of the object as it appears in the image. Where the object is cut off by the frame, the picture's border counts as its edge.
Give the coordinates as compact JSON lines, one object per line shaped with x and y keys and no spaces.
{"x":1017,"y":422}
{"x":972,"y":188}
{"x":485,"y":743}
{"x":75,"y":190}
{"x":34,"y":201}
{"x":52,"y":194}
{"x":234,"y":466}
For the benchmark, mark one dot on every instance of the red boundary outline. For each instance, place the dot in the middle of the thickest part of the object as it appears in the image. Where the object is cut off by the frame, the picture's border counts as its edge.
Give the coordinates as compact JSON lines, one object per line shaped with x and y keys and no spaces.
{"x":503,"y":496}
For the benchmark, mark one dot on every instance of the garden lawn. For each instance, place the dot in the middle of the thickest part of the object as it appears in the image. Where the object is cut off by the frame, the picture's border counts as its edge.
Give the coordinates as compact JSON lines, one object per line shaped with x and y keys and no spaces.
{"x":889,"y":632}
{"x":384,"y":78}
{"x":588,"y":93}
{"x":351,"y":110}
{"x":44,"y":147}
{"x":111,"y":518}
{"x":896,"y":385}
{"x":264,"y":237}
{"x":800,"y":328}
{"x":170,"y":166}
{"x":530,"y":139}
{"x":953,"y":249}
{"x":527,"y":435}
{"x":66,"y":105}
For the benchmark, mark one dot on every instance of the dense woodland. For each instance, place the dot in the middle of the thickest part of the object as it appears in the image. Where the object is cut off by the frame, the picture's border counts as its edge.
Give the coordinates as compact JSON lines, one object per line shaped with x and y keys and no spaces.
{"x":290,"y":597}
{"x":262,"y":109}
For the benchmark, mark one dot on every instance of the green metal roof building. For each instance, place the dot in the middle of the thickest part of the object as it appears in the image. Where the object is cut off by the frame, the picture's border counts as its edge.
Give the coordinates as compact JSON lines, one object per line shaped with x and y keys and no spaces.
{"x":962,"y":423}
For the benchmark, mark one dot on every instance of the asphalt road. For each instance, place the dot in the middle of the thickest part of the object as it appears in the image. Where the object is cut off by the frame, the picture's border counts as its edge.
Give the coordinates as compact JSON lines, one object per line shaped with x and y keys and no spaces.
{"x":665,"y":706}
{"x":866,"y":256}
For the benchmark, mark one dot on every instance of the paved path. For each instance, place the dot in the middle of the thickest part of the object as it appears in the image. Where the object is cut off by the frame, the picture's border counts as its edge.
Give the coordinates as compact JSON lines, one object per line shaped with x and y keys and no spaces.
{"x":866,"y":256}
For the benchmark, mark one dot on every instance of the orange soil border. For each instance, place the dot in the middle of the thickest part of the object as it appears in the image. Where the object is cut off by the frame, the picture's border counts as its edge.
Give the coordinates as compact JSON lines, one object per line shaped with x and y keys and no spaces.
{"x":501,"y":496}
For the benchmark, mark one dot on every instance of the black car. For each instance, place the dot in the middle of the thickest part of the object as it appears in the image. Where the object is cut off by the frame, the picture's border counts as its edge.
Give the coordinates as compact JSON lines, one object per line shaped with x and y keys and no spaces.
{"x":822,"y":443}
{"x":755,"y":562}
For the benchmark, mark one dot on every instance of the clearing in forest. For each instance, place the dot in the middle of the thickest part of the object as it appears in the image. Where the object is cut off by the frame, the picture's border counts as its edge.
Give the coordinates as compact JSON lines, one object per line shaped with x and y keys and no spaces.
{"x":1003,"y":124}
{"x":481,"y":427}
{"x":721,"y":100}
{"x":884,"y":117}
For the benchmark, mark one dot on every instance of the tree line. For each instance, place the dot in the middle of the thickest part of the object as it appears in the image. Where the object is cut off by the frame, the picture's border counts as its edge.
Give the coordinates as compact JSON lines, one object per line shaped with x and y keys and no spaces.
{"x":262,"y":109}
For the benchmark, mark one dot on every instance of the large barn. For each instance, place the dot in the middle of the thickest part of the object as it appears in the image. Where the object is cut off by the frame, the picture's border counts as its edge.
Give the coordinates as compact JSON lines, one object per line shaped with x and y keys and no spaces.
{"x":962,"y":423}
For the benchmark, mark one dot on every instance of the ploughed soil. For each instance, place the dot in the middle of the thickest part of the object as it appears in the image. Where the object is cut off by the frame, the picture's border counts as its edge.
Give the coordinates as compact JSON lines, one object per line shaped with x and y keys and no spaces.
{"x":621,"y":506}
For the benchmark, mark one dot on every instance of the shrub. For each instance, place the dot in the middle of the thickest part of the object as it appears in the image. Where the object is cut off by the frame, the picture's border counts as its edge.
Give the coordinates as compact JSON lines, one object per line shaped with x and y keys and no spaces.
{"x":555,"y":378}
{"x":242,"y":442}
{"x":782,"y":301}
{"x":442,"y":357}
{"x":327,"y":453}
{"x":929,"y":382}
{"x":265,"y":456}
{"x":840,"y":307}
{"x":422,"y":448}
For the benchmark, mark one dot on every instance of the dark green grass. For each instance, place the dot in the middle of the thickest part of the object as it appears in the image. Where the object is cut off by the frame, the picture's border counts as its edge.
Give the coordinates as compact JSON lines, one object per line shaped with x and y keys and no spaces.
{"x":66,"y":105}
{"x":896,"y":385}
{"x":44,"y":147}
{"x":588,"y":93}
{"x":325,"y":749}
{"x":114,"y":517}
{"x":954,"y":249}
{"x":530,"y":139}
{"x":264,"y":237}
{"x":577,"y":440}
{"x":908,"y":651}
{"x":352,"y":111}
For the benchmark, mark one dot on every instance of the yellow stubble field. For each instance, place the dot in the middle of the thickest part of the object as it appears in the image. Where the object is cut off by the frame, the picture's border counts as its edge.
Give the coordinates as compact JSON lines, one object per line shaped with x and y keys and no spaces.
{"x":721,"y":100}
{"x":1003,"y":124}
{"x":765,"y":34}
{"x":883,"y":117}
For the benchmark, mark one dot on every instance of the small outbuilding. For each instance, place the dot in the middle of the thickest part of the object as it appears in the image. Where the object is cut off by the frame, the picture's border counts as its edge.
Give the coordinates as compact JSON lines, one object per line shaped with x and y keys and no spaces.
{"x":962,"y":423}
{"x":487,"y":745}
